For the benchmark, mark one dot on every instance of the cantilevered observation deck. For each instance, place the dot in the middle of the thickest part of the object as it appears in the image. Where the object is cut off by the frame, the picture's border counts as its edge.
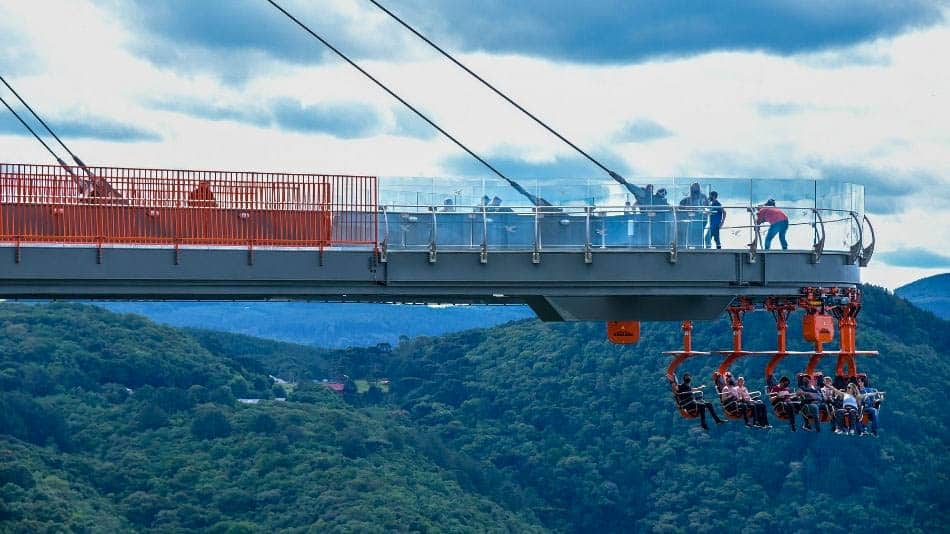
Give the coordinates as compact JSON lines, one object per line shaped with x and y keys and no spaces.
{"x":593,"y":254}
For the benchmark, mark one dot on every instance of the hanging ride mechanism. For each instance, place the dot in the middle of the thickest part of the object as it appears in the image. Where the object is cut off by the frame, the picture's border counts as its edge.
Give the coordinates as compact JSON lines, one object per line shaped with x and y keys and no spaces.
{"x":822,"y":308}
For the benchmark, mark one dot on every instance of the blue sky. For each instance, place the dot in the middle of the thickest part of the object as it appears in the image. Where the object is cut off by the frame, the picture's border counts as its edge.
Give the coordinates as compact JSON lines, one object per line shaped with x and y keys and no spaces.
{"x":851,"y":90}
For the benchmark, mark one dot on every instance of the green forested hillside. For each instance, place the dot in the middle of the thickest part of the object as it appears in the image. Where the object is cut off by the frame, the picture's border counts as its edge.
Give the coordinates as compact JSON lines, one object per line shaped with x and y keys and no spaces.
{"x":520,"y":427}
{"x":110,"y":423}
{"x":586,"y":433}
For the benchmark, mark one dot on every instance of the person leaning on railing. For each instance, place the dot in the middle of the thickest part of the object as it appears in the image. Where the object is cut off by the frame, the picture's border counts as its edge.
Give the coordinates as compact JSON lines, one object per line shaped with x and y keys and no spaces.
{"x":778,"y":223}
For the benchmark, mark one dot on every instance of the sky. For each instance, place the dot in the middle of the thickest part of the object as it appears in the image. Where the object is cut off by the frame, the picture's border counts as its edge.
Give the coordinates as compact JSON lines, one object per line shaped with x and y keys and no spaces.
{"x":854,"y":90}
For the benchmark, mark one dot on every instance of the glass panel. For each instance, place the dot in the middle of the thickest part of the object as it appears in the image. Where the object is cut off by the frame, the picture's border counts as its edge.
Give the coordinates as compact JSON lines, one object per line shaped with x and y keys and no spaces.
{"x":468,"y":211}
{"x":835,"y":202}
{"x":563,"y":227}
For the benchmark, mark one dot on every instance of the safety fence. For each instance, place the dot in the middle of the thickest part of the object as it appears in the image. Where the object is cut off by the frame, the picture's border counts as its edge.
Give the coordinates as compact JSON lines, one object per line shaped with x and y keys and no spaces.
{"x":115,"y":205}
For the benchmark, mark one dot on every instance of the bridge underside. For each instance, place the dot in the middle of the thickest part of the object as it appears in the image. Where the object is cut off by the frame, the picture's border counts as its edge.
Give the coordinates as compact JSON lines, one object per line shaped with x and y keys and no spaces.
{"x":559,"y":286}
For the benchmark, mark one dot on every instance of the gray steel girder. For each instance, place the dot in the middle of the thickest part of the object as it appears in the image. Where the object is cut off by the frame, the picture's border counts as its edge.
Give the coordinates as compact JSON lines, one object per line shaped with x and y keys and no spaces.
{"x":617,"y":284}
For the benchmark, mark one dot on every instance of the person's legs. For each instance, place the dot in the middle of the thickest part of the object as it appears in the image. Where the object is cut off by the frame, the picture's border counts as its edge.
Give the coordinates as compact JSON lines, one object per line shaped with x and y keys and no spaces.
{"x":872,"y":415}
{"x":701,"y":408}
{"x":840,"y":422}
{"x":763,"y":413}
{"x":770,"y":236}
{"x":812,"y":415}
{"x":744,"y":411}
{"x":782,"y":230}
{"x":790,"y":410}
{"x":712,"y":234}
{"x":712,"y":412}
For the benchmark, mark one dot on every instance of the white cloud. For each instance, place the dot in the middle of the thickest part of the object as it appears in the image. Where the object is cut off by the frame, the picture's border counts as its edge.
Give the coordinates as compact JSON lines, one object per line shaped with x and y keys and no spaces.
{"x":887,"y":112}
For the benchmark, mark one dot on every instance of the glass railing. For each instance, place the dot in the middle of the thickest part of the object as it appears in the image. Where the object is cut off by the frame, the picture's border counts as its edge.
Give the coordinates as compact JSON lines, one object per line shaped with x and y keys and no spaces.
{"x":676,"y":214}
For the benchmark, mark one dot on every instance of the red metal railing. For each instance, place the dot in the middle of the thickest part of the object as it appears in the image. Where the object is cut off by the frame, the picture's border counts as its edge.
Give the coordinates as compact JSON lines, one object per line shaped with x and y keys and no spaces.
{"x":50,"y":204}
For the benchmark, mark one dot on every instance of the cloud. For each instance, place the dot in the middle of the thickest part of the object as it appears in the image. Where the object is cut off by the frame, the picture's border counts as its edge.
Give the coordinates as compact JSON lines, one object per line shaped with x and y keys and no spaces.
{"x":345,"y":120}
{"x":624,"y":31}
{"x":521,"y":169}
{"x":408,"y":124}
{"x":780,"y":109}
{"x":212,"y":111}
{"x":641,"y":131}
{"x":919,"y":258}
{"x":237,"y":39}
{"x":885,"y":192}
{"x":17,"y":56}
{"x":81,"y":128}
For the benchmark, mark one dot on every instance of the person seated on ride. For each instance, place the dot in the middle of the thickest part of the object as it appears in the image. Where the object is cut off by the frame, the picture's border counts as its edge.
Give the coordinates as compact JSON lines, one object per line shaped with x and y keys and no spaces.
{"x":732,"y":401}
{"x":729,"y":397}
{"x":755,"y":406}
{"x":811,"y":399}
{"x":687,"y":399}
{"x":871,"y":405}
{"x":832,"y":402}
{"x":848,"y":417}
{"x":782,"y":399}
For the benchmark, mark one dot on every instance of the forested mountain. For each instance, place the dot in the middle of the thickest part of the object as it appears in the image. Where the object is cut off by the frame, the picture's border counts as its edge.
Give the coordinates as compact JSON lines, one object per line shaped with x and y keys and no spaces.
{"x":520,"y":427}
{"x":931,"y":293}
{"x":110,"y":423}
{"x":321,"y":324}
{"x":584,"y":433}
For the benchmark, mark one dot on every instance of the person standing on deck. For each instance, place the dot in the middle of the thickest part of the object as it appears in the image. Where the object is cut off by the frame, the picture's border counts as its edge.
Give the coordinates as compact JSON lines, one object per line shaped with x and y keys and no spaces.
{"x":778,"y":223}
{"x":690,"y":220}
{"x":717,"y":217}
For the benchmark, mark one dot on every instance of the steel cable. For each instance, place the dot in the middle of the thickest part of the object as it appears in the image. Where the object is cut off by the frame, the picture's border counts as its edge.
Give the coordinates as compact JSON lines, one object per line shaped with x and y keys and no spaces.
{"x":382,"y":86}
{"x":544,"y":125}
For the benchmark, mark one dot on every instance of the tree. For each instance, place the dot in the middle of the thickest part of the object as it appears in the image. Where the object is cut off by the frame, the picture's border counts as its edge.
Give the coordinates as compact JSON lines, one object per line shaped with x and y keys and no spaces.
{"x":210,"y":423}
{"x":151,"y":416}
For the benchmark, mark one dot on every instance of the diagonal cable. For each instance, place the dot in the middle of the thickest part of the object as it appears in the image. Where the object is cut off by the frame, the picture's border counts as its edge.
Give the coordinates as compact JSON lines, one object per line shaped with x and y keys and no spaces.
{"x":544,"y":125}
{"x":394,"y":95}
{"x":40,"y":139}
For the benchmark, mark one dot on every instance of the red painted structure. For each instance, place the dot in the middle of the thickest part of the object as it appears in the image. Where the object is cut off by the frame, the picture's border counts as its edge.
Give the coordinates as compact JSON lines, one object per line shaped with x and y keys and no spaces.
{"x":114,"y":205}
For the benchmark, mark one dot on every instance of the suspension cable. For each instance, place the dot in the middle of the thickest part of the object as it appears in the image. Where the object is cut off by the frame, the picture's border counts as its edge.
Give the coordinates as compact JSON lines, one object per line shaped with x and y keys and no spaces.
{"x":544,"y":125}
{"x":40,"y":139}
{"x":48,"y":129}
{"x":394,"y":95}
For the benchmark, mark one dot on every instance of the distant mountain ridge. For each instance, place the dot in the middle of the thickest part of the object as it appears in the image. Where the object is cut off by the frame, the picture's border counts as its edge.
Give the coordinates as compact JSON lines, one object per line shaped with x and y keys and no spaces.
{"x":931,"y":293}
{"x":322,"y":324}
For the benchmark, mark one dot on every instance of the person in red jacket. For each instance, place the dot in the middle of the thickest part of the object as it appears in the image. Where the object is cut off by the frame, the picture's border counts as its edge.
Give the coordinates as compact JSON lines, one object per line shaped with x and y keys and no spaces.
{"x":778,"y":223}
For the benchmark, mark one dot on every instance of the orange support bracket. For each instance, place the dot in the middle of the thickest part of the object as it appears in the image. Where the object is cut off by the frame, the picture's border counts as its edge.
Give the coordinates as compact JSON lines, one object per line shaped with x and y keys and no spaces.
{"x":679,"y":356}
{"x":736,"y":313}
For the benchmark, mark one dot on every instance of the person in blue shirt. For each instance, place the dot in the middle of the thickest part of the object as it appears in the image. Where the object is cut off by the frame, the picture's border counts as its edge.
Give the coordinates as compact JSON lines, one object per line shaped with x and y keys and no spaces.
{"x":871,"y":397}
{"x":717,"y":217}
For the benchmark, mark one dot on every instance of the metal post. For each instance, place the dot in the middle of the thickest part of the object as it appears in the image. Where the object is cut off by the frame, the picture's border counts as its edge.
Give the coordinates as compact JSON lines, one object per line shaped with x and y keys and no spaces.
{"x":433,"y":236}
{"x":674,"y":244}
{"x":483,"y":256}
{"x":588,"y":251}
{"x":536,"y":255}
